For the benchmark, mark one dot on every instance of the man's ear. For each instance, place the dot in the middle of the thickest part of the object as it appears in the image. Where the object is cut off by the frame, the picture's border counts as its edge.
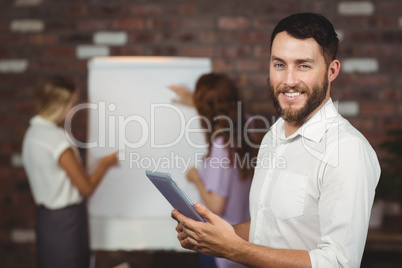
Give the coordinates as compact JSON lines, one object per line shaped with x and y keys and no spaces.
{"x":333,"y":70}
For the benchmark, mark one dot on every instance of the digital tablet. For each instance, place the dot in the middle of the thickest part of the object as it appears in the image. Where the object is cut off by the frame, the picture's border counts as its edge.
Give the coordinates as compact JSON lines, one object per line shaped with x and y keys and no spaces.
{"x":176,"y":197}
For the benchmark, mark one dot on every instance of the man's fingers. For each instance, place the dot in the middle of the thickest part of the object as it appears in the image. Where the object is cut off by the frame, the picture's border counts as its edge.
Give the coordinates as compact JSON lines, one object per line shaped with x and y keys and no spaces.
{"x":183,"y":220}
{"x":206,"y":213}
{"x":190,"y":233}
{"x":192,"y":241}
{"x":174,"y":215}
{"x":179,"y":227}
{"x":181,"y":236}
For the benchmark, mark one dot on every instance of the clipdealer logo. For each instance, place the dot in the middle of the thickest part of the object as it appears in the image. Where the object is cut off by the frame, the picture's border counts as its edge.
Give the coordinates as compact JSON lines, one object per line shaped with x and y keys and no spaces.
{"x":112,"y":128}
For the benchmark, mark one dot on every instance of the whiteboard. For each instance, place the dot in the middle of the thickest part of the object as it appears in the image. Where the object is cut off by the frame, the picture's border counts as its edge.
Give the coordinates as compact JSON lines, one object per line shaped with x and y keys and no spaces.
{"x":131,"y":110}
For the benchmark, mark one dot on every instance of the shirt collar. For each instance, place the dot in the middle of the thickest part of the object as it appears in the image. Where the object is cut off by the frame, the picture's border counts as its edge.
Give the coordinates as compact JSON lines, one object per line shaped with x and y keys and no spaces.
{"x":314,"y":128}
{"x":38,"y":120}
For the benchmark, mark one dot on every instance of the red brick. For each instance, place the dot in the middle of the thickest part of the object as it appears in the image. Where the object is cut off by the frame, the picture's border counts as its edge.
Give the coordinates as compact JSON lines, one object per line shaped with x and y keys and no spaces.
{"x":59,"y":66}
{"x":60,"y":52}
{"x":262,"y":52}
{"x":362,"y":123}
{"x":389,"y":123}
{"x":146,"y":10}
{"x":197,"y":51}
{"x":180,"y":37}
{"x":145,"y":37}
{"x":249,"y":95}
{"x":259,"y":81}
{"x":388,"y":7}
{"x":358,"y":94}
{"x":126,"y":51}
{"x":59,"y":25}
{"x":390,"y":95}
{"x":264,"y":108}
{"x":92,"y":25}
{"x":227,"y":37}
{"x":12,"y":173}
{"x":222,"y":65}
{"x":377,"y":109}
{"x":235,"y":52}
{"x":183,"y":9}
{"x":373,"y":80}
{"x":111,"y":10}
{"x":77,"y":11}
{"x":128,"y":24}
{"x":4,"y":27}
{"x":251,"y":65}
{"x":25,"y":106}
{"x":43,"y":39}
{"x":199,"y":23}
{"x":373,"y":50}
{"x":393,"y":36}
{"x":363,"y":37}
{"x":11,"y":119}
{"x":5,"y":148}
{"x":253,"y":37}
{"x":383,"y":21}
{"x":12,"y":39}
{"x":6,"y":184}
{"x":375,"y":138}
{"x":77,"y":38}
{"x":161,"y":24}
{"x":4,"y":52}
{"x":262,"y":23}
{"x":163,"y":50}
{"x":233,"y":23}
{"x":397,"y":80}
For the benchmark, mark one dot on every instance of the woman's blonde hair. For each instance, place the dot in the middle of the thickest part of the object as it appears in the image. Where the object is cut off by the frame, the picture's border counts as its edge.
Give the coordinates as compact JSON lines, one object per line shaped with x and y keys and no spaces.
{"x":54,"y":98}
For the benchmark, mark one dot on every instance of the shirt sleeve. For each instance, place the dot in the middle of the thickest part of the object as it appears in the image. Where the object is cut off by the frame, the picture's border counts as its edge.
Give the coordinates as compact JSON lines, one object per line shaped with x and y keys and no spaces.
{"x":216,"y":174}
{"x":347,"y":191}
{"x":61,"y":144}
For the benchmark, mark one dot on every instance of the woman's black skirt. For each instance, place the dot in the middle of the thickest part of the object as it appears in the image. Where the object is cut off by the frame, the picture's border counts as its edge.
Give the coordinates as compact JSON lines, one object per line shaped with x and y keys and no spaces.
{"x":62,"y":237}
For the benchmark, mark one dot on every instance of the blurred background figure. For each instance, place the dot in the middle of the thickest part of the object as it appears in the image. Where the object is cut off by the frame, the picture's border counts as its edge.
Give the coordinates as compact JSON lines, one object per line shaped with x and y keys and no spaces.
{"x":224,"y":179}
{"x":58,"y":179}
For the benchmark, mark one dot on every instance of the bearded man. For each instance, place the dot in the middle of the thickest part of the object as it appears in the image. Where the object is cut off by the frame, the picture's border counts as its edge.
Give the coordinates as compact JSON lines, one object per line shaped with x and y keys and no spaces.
{"x":314,"y":211}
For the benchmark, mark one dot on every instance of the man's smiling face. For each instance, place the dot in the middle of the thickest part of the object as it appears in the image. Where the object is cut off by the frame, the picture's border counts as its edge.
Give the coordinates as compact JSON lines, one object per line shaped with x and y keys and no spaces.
{"x":298,"y":77}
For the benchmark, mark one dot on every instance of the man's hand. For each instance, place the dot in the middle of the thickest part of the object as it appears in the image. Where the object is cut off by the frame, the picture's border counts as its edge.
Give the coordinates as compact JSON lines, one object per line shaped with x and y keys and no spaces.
{"x":215,"y":237}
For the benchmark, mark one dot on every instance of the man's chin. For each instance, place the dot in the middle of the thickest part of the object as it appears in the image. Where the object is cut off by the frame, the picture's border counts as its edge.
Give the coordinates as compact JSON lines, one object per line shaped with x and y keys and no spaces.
{"x":293,"y":116}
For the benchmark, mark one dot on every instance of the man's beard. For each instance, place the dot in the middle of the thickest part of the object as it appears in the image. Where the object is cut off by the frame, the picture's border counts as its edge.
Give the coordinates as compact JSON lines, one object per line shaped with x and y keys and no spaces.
{"x":314,"y":100}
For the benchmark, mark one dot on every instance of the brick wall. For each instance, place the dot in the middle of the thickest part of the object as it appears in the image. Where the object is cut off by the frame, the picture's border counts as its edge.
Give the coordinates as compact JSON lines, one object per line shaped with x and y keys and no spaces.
{"x":43,"y":37}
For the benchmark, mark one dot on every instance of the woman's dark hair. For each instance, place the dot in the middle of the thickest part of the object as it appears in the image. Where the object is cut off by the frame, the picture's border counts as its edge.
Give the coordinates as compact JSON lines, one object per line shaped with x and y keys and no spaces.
{"x":310,"y":25}
{"x":216,"y":99}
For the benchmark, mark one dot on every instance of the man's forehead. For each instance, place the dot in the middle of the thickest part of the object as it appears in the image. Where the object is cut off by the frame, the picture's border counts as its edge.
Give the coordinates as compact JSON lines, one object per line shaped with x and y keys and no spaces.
{"x":286,"y":46}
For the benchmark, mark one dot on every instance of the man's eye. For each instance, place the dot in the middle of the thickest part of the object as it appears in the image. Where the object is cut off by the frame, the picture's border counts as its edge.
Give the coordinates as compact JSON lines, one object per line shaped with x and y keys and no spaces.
{"x":305,"y":66}
{"x":278,"y":65}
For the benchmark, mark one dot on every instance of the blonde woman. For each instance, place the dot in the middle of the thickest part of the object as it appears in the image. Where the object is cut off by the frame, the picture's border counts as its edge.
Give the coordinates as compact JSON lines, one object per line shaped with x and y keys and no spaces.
{"x":58,"y":180}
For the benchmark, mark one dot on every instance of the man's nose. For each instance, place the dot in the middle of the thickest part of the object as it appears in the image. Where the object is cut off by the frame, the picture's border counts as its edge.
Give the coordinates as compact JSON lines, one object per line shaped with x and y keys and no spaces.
{"x":291,"y":79}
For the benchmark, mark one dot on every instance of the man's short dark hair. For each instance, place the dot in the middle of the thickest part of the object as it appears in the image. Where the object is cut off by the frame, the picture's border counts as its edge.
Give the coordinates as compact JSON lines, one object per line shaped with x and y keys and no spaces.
{"x":311,"y":25}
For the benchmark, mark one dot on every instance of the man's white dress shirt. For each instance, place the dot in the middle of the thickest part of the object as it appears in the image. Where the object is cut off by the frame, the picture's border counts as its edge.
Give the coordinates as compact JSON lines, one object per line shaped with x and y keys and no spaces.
{"x":314,"y":190}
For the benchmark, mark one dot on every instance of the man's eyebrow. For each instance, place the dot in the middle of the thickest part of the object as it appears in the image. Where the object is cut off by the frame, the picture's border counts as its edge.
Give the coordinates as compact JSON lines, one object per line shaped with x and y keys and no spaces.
{"x":310,"y":60}
{"x":276,"y":58}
